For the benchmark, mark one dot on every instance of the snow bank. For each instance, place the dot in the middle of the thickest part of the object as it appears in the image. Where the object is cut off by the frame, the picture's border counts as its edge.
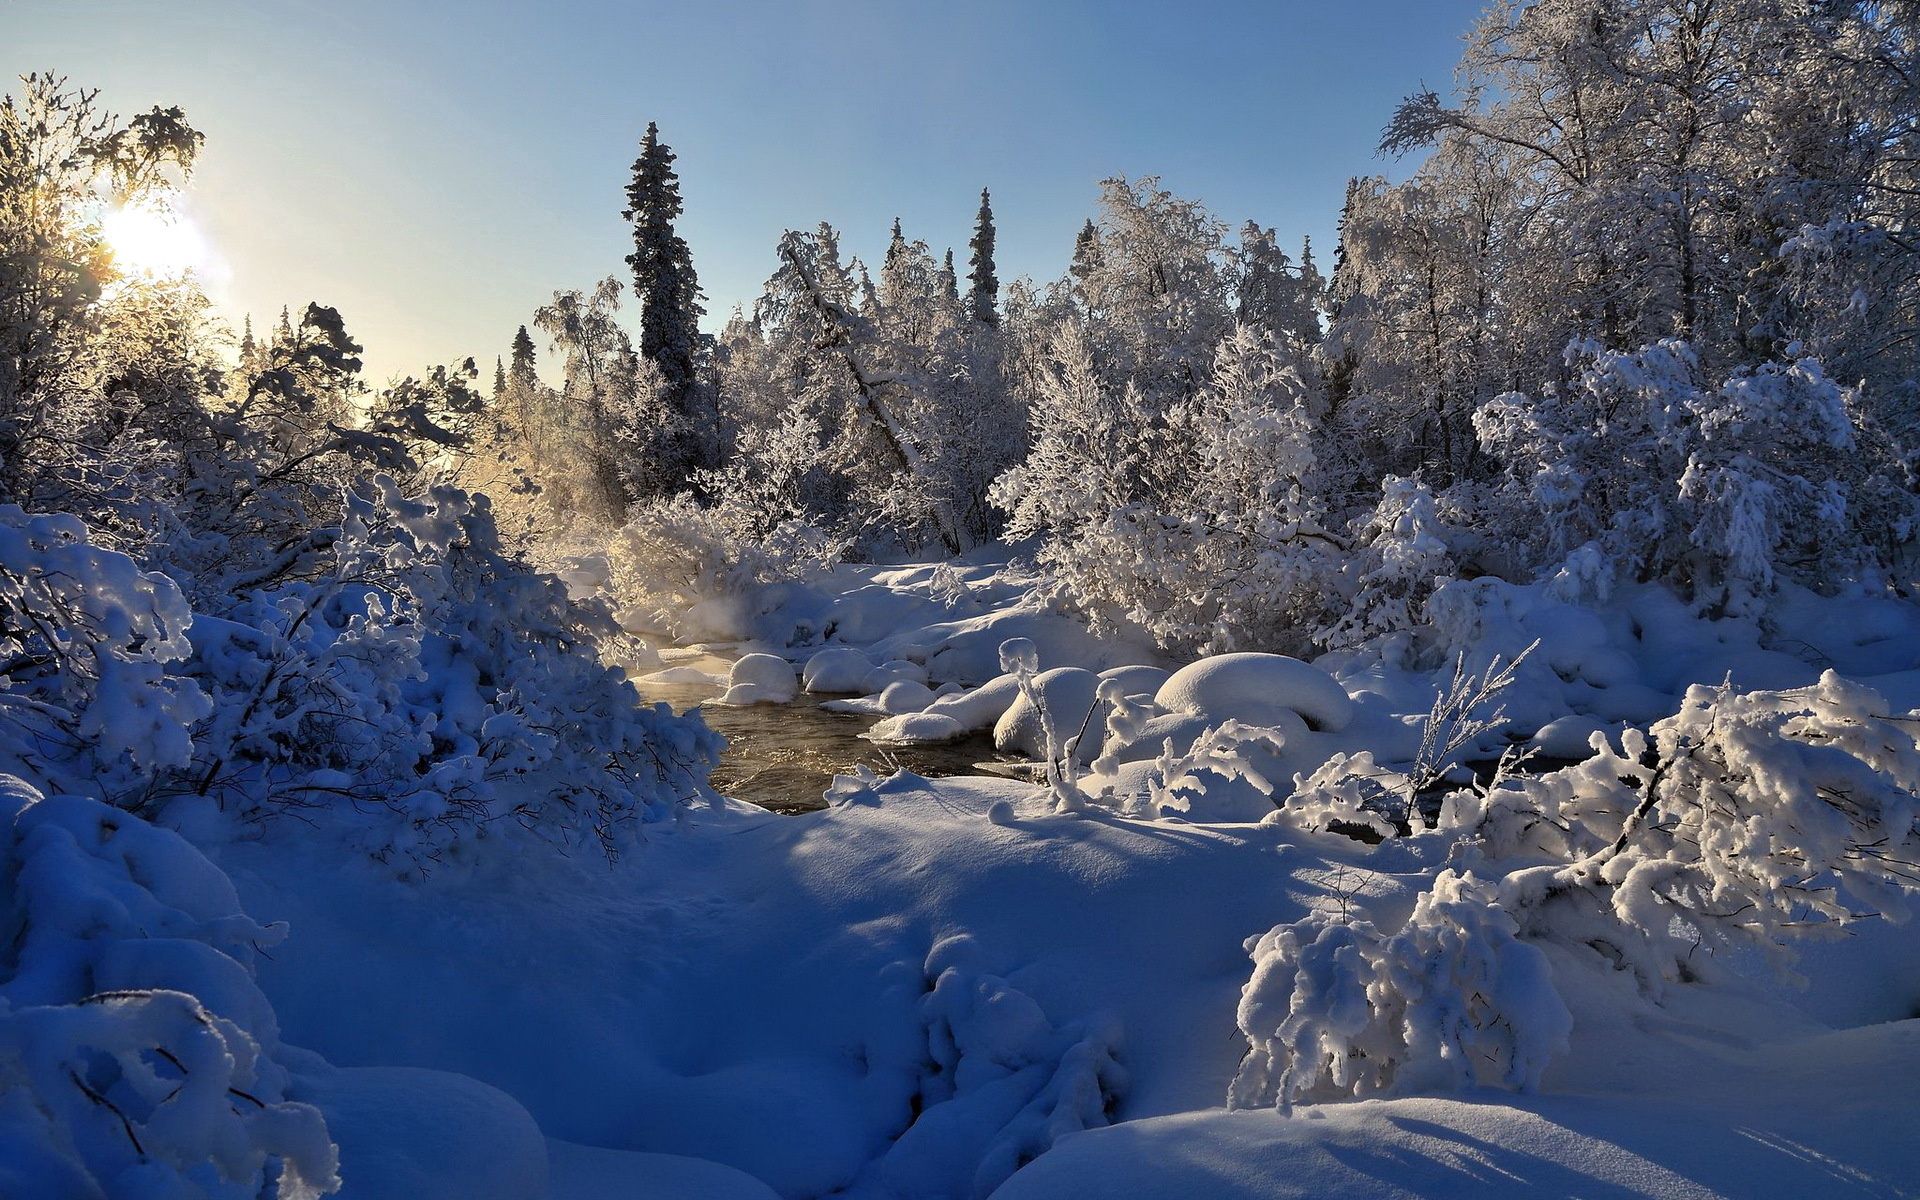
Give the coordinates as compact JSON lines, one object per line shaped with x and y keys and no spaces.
{"x":126,"y":962}
{"x":1771,"y":1127}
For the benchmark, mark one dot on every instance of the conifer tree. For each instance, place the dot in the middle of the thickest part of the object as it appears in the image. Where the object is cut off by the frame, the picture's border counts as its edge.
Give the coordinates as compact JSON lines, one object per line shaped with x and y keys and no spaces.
{"x":522,"y":374}
{"x":949,"y":282}
{"x":499,"y":378}
{"x":663,"y":275}
{"x":984,"y":292}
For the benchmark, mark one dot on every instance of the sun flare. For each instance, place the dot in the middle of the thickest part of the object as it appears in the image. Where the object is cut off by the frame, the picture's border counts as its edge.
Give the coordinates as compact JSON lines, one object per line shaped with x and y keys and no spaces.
{"x":153,"y":239}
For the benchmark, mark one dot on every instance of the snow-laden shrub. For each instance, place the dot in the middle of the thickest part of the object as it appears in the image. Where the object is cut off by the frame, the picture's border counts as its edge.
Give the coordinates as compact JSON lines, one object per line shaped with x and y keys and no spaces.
{"x":1746,"y":817}
{"x":1336,"y":1008}
{"x":1724,"y":488}
{"x":88,"y":640}
{"x":1218,"y":777}
{"x":1193,"y":518}
{"x":1058,"y":743}
{"x":1401,"y":556}
{"x":1352,"y":790}
{"x":674,"y":554}
{"x":137,"y":1057}
{"x":433,"y":690}
{"x":986,"y":1037}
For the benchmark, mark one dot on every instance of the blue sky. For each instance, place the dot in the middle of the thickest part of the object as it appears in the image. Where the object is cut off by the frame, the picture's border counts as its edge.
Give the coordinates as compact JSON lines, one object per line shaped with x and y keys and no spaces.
{"x":436,"y":169}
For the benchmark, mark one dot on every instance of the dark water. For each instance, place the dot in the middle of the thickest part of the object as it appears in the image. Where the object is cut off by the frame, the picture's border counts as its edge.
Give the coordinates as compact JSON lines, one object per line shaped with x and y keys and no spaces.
{"x":782,"y":756}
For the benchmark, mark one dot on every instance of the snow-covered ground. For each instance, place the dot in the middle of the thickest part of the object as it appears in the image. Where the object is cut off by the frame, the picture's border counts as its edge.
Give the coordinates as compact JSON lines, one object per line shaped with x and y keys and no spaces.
{"x":964,"y":986}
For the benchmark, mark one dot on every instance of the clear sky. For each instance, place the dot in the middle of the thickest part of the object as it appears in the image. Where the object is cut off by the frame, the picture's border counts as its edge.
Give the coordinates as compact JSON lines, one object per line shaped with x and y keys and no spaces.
{"x":436,"y":169}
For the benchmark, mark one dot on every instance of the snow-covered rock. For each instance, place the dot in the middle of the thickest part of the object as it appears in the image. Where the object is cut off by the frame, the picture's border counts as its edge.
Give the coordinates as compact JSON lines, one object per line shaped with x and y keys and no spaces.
{"x":917,"y":729}
{"x":981,"y":707}
{"x":893,"y":670}
{"x":1069,"y":696}
{"x":896,"y":698}
{"x":760,"y":679}
{"x":837,"y":669}
{"x":1256,"y":688}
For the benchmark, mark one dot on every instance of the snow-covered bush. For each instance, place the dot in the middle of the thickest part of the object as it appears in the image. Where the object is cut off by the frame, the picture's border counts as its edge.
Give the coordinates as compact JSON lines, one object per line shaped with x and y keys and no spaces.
{"x":1336,"y":1008}
{"x":1748,"y":818}
{"x":1745,"y":818}
{"x":673,"y":554}
{"x":137,"y":1057}
{"x":1197,"y":522}
{"x":1211,"y":777}
{"x":434,"y":690}
{"x":88,"y":643}
{"x":1401,"y":556}
{"x":1723,"y":489}
{"x":1355,"y":791}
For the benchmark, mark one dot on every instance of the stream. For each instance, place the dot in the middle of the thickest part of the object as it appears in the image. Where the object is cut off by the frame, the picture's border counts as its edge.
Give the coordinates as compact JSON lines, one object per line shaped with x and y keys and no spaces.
{"x":782,"y":756}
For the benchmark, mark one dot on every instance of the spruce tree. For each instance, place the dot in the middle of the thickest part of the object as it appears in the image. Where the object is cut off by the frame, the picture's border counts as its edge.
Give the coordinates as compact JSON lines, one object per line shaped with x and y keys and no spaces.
{"x":521,"y":377}
{"x":949,"y":282}
{"x":499,"y":378}
{"x":1087,"y":260}
{"x":984,"y":293}
{"x":663,"y":275}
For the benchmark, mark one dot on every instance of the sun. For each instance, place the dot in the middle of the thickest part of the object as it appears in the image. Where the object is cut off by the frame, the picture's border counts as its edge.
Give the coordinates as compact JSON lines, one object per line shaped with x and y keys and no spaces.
{"x":153,"y":239}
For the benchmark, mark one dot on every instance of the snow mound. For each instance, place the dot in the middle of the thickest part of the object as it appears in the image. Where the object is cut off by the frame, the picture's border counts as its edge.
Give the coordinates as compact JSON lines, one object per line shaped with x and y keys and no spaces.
{"x":981,"y":707}
{"x":1069,"y":696}
{"x":682,"y":677}
{"x":837,"y":669}
{"x":902,"y":696}
{"x":917,"y":729}
{"x":759,"y":679}
{"x":1255,"y":688}
{"x":406,"y":1133}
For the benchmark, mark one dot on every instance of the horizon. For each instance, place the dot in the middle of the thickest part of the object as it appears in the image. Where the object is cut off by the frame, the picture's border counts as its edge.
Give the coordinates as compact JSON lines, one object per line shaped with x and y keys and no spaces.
{"x":387,"y":219}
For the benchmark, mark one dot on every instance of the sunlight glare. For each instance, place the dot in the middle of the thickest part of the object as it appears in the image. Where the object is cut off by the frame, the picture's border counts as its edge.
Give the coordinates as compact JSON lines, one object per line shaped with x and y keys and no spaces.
{"x":149,"y":238}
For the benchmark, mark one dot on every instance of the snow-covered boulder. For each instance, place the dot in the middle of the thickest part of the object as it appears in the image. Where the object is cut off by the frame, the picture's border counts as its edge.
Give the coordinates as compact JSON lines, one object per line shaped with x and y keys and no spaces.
{"x":905,"y":696}
{"x":981,"y":707}
{"x":1068,"y":693}
{"x":917,"y":729}
{"x":1137,"y":679}
{"x":892,"y":670}
{"x":1256,"y":688}
{"x":837,"y":669}
{"x":900,"y":697}
{"x":759,"y":679}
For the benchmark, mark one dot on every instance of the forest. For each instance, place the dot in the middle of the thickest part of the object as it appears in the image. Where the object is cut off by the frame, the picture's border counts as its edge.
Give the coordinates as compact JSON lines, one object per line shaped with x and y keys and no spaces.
{"x":1432,"y":715}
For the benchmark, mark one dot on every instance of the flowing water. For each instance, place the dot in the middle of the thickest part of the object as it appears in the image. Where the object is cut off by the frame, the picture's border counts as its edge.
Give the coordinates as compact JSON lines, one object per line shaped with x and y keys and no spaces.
{"x":782,"y":756}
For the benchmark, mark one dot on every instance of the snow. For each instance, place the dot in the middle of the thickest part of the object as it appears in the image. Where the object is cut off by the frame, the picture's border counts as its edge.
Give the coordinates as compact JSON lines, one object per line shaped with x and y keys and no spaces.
{"x":1256,"y":688}
{"x":837,"y":669}
{"x":759,"y":679}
